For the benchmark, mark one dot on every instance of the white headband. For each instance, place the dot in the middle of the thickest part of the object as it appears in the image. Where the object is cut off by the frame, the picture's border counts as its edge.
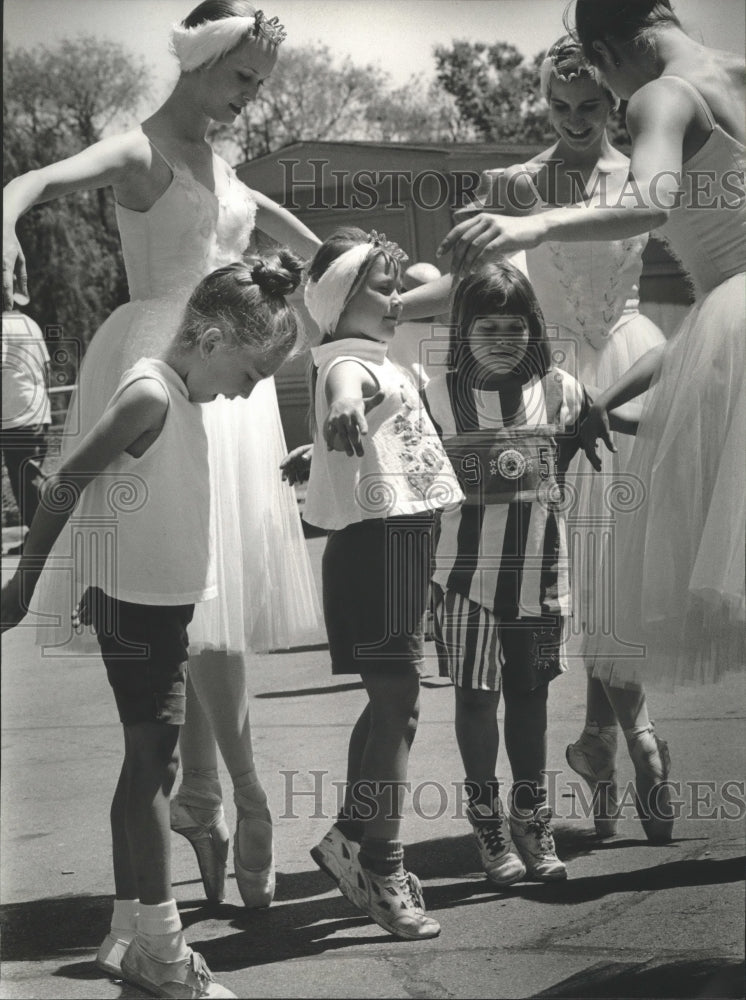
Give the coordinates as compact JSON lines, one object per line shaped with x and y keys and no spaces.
{"x":209,"y":41}
{"x":326,"y":298}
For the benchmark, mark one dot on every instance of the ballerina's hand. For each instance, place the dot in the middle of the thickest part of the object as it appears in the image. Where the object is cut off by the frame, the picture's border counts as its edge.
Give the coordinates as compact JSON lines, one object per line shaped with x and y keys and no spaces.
{"x":296,"y":465}
{"x":487,"y":235}
{"x":345,"y":425}
{"x":14,"y":267}
{"x":595,"y":426}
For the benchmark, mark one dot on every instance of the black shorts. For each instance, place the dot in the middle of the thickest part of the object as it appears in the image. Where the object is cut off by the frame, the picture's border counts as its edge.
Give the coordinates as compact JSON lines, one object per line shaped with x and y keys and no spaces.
{"x":145,"y":650}
{"x":375,"y":580}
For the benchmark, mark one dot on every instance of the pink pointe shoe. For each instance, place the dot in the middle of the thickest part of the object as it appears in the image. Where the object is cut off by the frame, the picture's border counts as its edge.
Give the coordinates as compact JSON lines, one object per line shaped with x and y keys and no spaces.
{"x":210,"y":842}
{"x":255,"y":873}
{"x":595,"y":761}
{"x":652,"y":762}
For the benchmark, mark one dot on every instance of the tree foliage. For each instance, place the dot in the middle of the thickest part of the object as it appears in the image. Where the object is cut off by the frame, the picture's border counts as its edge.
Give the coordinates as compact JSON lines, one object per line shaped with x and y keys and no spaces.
{"x":56,"y":101}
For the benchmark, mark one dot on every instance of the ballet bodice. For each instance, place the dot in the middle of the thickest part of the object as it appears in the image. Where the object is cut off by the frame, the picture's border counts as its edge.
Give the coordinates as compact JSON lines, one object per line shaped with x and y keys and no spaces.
{"x":188,"y":232}
{"x":707,"y":230}
{"x":585,"y":289}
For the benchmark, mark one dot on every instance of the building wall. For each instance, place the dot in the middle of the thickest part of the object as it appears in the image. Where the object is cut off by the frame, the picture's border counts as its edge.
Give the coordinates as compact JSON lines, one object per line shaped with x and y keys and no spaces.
{"x":409,"y":193}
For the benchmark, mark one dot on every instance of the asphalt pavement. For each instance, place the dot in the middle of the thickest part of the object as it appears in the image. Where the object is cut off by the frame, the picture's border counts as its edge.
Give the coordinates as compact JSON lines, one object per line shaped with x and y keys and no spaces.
{"x":632,"y":920}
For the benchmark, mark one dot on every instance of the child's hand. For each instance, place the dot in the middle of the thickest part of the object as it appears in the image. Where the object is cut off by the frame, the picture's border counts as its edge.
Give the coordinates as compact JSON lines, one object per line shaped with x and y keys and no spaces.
{"x":12,"y":605}
{"x":346,"y":425}
{"x":595,"y":426}
{"x":296,"y":466}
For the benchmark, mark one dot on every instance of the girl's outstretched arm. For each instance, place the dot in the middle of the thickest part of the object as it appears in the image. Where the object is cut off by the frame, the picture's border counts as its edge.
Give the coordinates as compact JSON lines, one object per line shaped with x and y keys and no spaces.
{"x":351,"y":392}
{"x":284,"y":227}
{"x":141,"y":409}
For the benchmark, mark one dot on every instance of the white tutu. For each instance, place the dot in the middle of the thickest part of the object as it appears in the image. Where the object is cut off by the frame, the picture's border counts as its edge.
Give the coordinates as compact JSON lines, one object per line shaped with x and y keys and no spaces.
{"x":677,"y":558}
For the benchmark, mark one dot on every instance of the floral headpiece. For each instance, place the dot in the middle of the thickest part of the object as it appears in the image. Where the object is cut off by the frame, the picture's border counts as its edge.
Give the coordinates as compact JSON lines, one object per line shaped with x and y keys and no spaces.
{"x":379,"y":241}
{"x":567,"y":49}
{"x":209,"y":41}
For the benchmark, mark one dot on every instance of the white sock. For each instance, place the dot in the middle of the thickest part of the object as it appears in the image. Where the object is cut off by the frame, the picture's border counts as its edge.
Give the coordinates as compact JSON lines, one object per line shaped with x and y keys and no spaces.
{"x":124,"y":918}
{"x":160,"y":933}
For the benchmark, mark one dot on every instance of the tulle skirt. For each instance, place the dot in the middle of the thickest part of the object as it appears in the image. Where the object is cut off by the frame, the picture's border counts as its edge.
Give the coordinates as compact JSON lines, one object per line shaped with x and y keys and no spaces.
{"x":675,"y":562}
{"x":591,"y":495}
{"x":266,"y":593}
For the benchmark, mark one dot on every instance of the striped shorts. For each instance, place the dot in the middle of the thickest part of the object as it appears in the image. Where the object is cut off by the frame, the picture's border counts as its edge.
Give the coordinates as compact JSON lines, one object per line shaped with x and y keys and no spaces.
{"x":484,"y":652}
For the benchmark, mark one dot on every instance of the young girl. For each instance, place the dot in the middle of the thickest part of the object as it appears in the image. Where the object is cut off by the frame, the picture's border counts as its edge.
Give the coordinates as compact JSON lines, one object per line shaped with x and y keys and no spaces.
{"x":237,"y":330}
{"x":509,"y":422}
{"x":377,"y":502}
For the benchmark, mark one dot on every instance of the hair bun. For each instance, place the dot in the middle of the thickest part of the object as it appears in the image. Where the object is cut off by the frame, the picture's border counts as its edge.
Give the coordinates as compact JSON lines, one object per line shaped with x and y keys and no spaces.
{"x":278,"y":276}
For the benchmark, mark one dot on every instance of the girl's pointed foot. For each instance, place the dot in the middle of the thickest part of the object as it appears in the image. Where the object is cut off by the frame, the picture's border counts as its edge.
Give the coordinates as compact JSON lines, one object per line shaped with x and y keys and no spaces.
{"x":209,"y":837}
{"x":652,"y":762}
{"x":593,"y":757}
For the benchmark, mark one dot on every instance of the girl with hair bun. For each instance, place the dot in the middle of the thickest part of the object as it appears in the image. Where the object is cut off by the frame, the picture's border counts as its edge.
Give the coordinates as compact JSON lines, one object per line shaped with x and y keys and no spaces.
{"x":677,"y":568}
{"x":181,"y":213}
{"x":589,"y":293}
{"x":236,"y":330}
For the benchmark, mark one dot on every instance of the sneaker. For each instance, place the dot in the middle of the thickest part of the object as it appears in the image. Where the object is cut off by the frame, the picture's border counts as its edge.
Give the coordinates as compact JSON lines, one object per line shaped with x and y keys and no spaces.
{"x":186,"y":979}
{"x":501,"y":864}
{"x":337,"y":855}
{"x":109,"y":957}
{"x":532,"y":836}
{"x":394,"y":902}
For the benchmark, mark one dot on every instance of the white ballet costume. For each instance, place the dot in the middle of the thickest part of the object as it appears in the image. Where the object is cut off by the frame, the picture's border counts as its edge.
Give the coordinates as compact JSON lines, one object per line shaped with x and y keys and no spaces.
{"x":266,"y":594}
{"x":589,"y":295}
{"x":678,"y":567}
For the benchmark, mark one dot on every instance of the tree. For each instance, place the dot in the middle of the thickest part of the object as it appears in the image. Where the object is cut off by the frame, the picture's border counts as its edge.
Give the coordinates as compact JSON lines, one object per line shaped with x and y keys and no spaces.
{"x":56,"y":101}
{"x":310,"y":95}
{"x":409,"y":114}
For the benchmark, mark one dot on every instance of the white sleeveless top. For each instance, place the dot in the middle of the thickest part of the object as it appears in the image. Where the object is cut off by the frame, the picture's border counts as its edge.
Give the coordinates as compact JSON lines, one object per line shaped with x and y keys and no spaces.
{"x":153,"y":512}
{"x":404,"y":468}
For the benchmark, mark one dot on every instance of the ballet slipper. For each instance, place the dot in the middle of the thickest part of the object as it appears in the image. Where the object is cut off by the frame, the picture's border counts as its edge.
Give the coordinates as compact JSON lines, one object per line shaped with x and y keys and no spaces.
{"x":594,"y":759}
{"x":255,"y":870}
{"x":652,"y":763}
{"x":209,"y":838}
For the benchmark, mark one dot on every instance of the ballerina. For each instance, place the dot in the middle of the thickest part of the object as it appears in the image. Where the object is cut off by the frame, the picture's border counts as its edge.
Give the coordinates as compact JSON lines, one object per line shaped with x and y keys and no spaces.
{"x":182,"y":212}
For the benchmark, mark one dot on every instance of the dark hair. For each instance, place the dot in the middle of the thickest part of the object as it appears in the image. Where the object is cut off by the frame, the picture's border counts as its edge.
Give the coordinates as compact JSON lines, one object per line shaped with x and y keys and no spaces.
{"x":500,"y":288}
{"x":625,"y":21}
{"x":218,"y":10}
{"x":247,"y":301}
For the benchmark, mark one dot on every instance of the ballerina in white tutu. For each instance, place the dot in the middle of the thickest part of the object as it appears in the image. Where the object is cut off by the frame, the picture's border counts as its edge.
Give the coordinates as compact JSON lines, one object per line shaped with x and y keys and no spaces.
{"x":182,"y":212}
{"x":678,"y":558}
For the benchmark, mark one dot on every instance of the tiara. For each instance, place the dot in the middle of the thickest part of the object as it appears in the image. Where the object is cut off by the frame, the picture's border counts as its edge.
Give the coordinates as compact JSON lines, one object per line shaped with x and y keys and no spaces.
{"x":392,"y":249}
{"x":269,"y":28}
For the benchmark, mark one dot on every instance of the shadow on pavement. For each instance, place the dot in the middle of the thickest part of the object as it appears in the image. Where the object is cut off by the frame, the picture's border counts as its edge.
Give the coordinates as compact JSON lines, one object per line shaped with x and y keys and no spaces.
{"x":301,"y":692}
{"x":697,"y":978}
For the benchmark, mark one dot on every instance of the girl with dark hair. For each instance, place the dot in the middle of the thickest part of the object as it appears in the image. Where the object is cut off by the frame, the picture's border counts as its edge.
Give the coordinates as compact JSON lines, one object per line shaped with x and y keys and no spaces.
{"x":237,"y":329}
{"x":181,"y":212}
{"x":589,"y":292}
{"x":377,"y":504}
{"x":677,"y":566}
{"x":509,"y":422}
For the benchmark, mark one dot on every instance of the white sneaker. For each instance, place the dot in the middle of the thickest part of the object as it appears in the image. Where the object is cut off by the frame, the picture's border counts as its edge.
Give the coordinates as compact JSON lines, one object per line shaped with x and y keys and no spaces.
{"x":109,"y":957}
{"x":186,"y":979}
{"x":532,"y":836}
{"x":501,"y":864}
{"x":395,"y":902}
{"x":337,"y":855}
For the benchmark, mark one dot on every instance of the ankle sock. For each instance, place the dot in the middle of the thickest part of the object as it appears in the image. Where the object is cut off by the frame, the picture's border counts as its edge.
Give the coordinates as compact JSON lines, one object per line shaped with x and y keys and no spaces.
{"x":528,"y":796}
{"x":160,"y":933}
{"x":483,"y":793}
{"x":382,"y":857}
{"x":124,"y":918}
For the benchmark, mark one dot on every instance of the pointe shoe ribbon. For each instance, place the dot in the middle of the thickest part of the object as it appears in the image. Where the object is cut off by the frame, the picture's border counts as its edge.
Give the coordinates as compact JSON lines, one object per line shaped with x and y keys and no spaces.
{"x":210,"y":843}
